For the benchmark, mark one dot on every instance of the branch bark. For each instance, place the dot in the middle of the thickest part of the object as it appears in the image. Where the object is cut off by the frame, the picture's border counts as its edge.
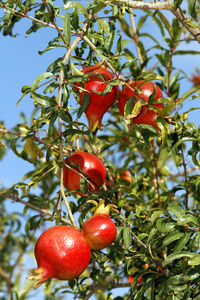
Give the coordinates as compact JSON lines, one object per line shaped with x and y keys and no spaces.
{"x":166,"y":5}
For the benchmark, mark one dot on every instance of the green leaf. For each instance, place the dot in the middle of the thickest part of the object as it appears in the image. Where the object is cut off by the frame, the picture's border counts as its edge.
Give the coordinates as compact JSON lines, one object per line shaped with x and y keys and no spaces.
{"x":151,"y":234}
{"x":40,"y":78}
{"x":32,"y":149}
{"x":186,"y":219}
{"x":152,"y":96}
{"x":195,"y":260}
{"x":43,"y":100}
{"x":155,"y":215}
{"x":73,"y":4}
{"x":167,"y":109}
{"x":67,"y":27}
{"x":166,"y":23}
{"x":103,"y":26}
{"x":177,"y":255}
{"x":149,"y":287}
{"x":75,"y":19}
{"x":86,"y":101}
{"x":192,"y":8}
{"x":64,"y":115}
{"x":162,"y":158}
{"x":182,"y":242}
{"x":129,"y":106}
{"x":176,"y":210}
{"x":127,"y":237}
{"x":51,"y":123}
{"x":183,"y":52}
{"x":164,"y":226}
{"x":125,"y":27}
{"x":177,"y":3}
{"x":176,"y":235}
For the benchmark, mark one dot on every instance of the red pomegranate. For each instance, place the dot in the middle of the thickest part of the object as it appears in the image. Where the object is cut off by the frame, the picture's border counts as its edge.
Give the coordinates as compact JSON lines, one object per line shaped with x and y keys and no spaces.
{"x":100,"y":230}
{"x":95,"y":86}
{"x":61,"y":252}
{"x":89,"y":165}
{"x":145,"y":116}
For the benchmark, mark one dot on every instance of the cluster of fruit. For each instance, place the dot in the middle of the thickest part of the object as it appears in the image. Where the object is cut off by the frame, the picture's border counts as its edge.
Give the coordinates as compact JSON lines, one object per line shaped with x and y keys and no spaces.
{"x":63,"y":252}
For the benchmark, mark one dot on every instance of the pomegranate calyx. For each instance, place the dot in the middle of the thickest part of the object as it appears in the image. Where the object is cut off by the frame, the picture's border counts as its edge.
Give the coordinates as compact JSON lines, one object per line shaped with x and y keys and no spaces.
{"x":101,"y":208}
{"x":39,"y":276}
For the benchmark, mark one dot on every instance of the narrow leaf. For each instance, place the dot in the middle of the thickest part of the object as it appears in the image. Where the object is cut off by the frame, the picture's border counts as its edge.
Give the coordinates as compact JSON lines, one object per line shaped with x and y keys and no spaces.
{"x":172,"y":237}
{"x":177,"y":255}
{"x":86,"y":101}
{"x":40,"y":78}
{"x":67,"y":27}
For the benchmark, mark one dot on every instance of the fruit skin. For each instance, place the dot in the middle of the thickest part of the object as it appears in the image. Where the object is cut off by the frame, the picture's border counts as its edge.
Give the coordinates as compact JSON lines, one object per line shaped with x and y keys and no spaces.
{"x":145,"y":116}
{"x":91,"y":165}
{"x":98,"y":104}
{"x":61,"y":252}
{"x":100,"y":230}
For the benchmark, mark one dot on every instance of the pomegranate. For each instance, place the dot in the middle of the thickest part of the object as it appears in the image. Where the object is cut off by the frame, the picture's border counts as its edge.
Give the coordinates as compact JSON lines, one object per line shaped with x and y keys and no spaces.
{"x":90,"y":166}
{"x":95,"y":86}
{"x":100,"y":230}
{"x":61,"y":252}
{"x":126,"y":175}
{"x":145,"y":116}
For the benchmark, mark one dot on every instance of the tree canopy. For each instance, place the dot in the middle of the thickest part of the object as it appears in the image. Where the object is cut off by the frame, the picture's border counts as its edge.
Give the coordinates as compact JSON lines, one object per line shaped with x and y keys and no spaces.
{"x":155,"y":254}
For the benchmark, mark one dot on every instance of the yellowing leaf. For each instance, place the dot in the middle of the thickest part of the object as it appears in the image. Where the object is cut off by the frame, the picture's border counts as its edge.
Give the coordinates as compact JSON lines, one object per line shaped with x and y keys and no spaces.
{"x":32,"y":149}
{"x":2,"y":145}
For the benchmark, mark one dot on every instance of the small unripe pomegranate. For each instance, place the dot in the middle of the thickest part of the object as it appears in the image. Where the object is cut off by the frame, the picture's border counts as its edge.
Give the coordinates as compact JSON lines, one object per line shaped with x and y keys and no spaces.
{"x":126,"y":175}
{"x":145,"y":116}
{"x":94,"y":86}
{"x":89,"y":165}
{"x":100,"y":230}
{"x":61,"y":252}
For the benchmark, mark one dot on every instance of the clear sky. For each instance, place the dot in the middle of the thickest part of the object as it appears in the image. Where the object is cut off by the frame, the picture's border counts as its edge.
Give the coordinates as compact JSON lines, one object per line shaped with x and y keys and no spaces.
{"x":20,"y":64}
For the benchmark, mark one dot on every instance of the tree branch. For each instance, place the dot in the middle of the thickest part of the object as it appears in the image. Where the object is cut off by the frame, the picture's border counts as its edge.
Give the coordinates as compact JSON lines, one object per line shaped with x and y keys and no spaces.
{"x":165,"y":5}
{"x":41,"y":210}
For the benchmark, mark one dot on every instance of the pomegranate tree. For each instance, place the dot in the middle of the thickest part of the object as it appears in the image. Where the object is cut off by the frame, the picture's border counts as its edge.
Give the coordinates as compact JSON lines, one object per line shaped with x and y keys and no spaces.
{"x":144,"y":115}
{"x":61,"y":252}
{"x":100,"y":230}
{"x":87,"y":164}
{"x":94,"y":86}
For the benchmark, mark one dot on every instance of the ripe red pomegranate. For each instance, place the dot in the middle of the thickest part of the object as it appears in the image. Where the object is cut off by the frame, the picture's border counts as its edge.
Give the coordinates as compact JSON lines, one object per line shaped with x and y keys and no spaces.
{"x":62,"y":252}
{"x":89,"y":164}
{"x":145,"y":116}
{"x":99,"y":103}
{"x":100,"y":230}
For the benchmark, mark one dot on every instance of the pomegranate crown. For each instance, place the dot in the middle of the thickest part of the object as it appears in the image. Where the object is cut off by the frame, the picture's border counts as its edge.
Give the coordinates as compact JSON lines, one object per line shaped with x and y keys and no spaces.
{"x":101,"y":208}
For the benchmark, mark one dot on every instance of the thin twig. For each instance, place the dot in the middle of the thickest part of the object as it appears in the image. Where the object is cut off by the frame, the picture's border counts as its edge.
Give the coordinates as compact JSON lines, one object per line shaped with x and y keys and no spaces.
{"x":28,"y":17}
{"x":41,"y":210}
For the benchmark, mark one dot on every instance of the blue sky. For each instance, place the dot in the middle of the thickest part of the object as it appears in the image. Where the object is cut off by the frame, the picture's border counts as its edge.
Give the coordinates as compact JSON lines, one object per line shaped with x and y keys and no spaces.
{"x":21,"y":64}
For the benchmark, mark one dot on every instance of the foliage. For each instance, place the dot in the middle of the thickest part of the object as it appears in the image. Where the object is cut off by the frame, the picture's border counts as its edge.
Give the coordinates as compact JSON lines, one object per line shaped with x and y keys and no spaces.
{"x":158,"y":224}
